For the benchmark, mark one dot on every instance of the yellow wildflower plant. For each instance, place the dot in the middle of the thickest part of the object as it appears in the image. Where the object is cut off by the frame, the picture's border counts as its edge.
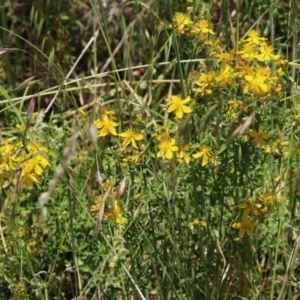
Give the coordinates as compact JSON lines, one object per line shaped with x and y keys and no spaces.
{"x":233,"y":107}
{"x":29,"y":166}
{"x":20,"y":127}
{"x":39,"y":153}
{"x":162,"y":133}
{"x":268,"y":198}
{"x":106,"y":125}
{"x":7,"y":153}
{"x":82,"y":112}
{"x":132,"y":158}
{"x":131,"y":137}
{"x":266,"y":54}
{"x":137,"y":197}
{"x":245,"y":225}
{"x":202,"y":27}
{"x":225,"y":76}
{"x":81,"y":115}
{"x":177,"y":105}
{"x":196,"y":222}
{"x":276,"y":148}
{"x":33,"y":164}
{"x":183,"y":154}
{"x":205,"y":83}
{"x":256,"y":84}
{"x":167,"y":148}
{"x":106,"y":111}
{"x":297,"y":108}
{"x":105,"y":184}
{"x":251,"y":206}
{"x":114,"y":213}
{"x":204,"y":154}
{"x":259,"y":136}
{"x":5,"y":174}
{"x":266,"y":72}
{"x":249,"y":52}
{"x":253,"y":37}
{"x":215,"y":160}
{"x":29,"y":176}
{"x":94,"y":209}
{"x":181,"y":22}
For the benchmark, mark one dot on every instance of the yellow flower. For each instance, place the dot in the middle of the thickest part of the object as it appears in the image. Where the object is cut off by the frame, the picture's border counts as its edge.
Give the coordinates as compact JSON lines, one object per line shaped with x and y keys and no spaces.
{"x":204,"y":153}
{"x":137,"y":196}
{"x":233,"y":106}
{"x":225,"y":76}
{"x":7,"y":152}
{"x":298,"y":111}
{"x":248,"y":52}
{"x":167,"y":148}
{"x":202,"y":27}
{"x":205,"y":83}
{"x":215,"y":160}
{"x":106,"y":111}
{"x":178,"y":105}
{"x":114,"y":213}
{"x":39,"y":154}
{"x":253,"y":207}
{"x":20,"y":127}
{"x":259,"y":136}
{"x":279,"y":72}
{"x":269,"y":198}
{"x":183,"y":154}
{"x":181,"y":21}
{"x":244,"y":138}
{"x":4,"y":174}
{"x":256,"y":84}
{"x":81,"y":112}
{"x":106,"y":125}
{"x":94,"y":209}
{"x":263,"y":71}
{"x":254,"y":38}
{"x":28,"y":176}
{"x":196,"y":222}
{"x":267,"y":53}
{"x":276,"y":148}
{"x":245,"y":226}
{"x":33,"y":164}
{"x":130,"y":137}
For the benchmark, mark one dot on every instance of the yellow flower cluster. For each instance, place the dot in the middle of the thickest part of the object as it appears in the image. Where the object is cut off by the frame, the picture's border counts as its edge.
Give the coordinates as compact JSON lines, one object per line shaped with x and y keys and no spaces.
{"x":264,"y":205}
{"x":237,"y":81}
{"x":194,"y":28}
{"x":22,"y":167}
{"x":111,"y":208}
{"x":107,"y":125}
{"x":247,"y":69}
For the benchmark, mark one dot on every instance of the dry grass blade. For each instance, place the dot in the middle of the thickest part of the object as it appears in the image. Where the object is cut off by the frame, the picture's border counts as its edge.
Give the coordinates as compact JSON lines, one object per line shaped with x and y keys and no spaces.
{"x":241,"y":129}
{"x":7,"y":50}
{"x":183,"y":124}
{"x":101,"y":210}
{"x":30,"y":110}
{"x":27,"y":81}
{"x":122,"y":187}
{"x":205,"y":119}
